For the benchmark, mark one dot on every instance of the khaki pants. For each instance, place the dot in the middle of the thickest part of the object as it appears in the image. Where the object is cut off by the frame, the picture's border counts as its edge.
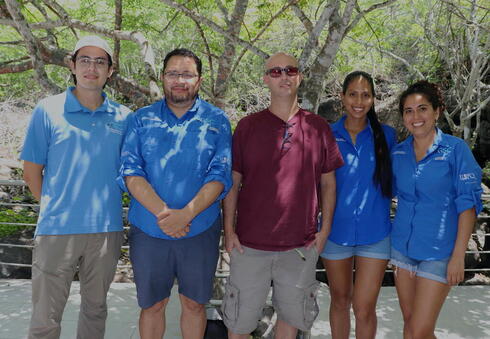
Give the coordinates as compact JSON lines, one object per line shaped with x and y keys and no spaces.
{"x":55,"y":261}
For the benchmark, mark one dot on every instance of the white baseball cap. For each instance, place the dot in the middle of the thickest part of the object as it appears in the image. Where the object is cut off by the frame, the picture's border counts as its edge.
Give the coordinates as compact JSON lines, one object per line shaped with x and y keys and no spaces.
{"x":95,"y":41}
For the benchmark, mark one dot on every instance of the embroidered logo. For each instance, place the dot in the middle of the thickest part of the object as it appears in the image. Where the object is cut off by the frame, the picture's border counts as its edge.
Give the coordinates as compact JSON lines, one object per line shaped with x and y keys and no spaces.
{"x":467,"y":176}
{"x":115,"y":127}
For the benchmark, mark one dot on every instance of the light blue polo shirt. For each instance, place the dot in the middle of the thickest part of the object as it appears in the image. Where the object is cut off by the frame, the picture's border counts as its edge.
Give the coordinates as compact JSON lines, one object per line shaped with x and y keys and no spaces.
{"x":80,"y":152}
{"x":177,"y":157}
{"x":431,"y":195}
{"x":362,"y":213}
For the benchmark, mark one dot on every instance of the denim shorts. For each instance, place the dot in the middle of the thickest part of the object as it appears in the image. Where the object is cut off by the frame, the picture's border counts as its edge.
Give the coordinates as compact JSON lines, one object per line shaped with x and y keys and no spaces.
{"x":429,"y":269}
{"x":158,"y":262}
{"x":378,"y":250}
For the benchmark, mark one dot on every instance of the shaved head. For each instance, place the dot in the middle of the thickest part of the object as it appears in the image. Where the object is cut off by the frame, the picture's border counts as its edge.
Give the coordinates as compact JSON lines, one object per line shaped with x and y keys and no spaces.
{"x":280,"y":58}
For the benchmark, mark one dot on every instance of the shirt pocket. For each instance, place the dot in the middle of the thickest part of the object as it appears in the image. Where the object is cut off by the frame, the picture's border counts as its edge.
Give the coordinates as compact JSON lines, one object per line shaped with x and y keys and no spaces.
{"x":155,"y":143}
{"x":204,"y":143}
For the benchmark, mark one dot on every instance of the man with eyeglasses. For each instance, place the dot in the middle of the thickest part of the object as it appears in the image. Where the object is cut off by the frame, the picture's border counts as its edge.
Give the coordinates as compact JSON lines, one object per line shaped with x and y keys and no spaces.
{"x":283,"y":174}
{"x":176,"y":164}
{"x":71,"y":159}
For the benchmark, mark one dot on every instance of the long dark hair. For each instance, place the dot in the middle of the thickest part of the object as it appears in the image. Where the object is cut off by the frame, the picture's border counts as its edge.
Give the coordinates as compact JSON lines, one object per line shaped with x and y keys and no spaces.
{"x":382,"y":174}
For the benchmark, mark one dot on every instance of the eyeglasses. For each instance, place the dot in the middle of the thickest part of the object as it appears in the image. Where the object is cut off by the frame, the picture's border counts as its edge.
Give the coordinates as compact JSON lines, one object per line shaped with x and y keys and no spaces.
{"x":85,"y":61}
{"x":177,"y":75}
{"x":276,"y":72}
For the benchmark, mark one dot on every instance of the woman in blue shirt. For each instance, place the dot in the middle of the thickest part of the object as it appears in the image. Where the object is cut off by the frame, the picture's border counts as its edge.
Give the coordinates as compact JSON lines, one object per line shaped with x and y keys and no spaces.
{"x":438,"y":184}
{"x":361,"y":223}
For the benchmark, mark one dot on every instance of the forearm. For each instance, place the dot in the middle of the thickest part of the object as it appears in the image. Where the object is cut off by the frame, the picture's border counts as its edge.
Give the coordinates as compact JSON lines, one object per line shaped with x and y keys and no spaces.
{"x":230,"y":204}
{"x":33,"y":176}
{"x":328,"y":199}
{"x":204,"y":198}
{"x":466,"y":222}
{"x":142,"y":191}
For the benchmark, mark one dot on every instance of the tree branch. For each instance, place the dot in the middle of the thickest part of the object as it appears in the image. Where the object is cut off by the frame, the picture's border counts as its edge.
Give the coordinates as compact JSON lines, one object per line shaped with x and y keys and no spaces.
{"x":314,"y":36}
{"x":361,"y":14}
{"x":7,"y":67}
{"x":303,"y":18}
{"x":117,"y":27}
{"x":223,"y":10}
{"x":32,"y":46}
{"x":411,"y":67}
{"x":215,"y":27}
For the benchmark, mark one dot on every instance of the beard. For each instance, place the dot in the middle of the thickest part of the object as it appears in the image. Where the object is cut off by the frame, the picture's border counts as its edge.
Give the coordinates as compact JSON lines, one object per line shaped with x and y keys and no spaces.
{"x":179,"y":98}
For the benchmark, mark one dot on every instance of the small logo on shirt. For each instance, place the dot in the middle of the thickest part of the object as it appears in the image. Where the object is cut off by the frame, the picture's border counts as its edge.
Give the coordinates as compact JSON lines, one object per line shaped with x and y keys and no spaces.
{"x":399,"y":152}
{"x":467,"y":176}
{"x":440,"y":158}
{"x":340,"y":139}
{"x":213,"y":129}
{"x":115,"y":127}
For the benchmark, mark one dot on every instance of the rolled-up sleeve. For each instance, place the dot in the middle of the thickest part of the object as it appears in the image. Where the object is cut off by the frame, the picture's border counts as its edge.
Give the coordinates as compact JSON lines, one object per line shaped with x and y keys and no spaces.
{"x":131,"y":159}
{"x":219,"y":168}
{"x":467,"y":178}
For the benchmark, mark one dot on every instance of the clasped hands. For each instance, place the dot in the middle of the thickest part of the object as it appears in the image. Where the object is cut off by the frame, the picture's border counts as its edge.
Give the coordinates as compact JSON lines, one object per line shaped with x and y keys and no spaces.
{"x":174,"y":222}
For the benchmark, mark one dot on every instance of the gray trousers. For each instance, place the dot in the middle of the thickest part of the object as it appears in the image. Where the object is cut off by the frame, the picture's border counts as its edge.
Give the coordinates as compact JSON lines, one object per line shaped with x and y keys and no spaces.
{"x":55,"y":261}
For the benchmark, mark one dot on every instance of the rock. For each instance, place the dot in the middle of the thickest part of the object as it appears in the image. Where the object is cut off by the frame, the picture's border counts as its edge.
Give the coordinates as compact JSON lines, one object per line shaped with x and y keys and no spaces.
{"x":4,"y":196}
{"x":16,"y":255}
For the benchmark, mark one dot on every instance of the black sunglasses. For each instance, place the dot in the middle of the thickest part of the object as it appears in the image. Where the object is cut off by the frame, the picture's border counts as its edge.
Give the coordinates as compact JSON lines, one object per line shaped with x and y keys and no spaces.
{"x":275,"y":72}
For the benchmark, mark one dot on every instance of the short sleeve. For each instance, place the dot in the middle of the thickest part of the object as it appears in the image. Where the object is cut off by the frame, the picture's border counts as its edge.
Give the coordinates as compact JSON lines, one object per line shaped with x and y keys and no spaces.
{"x":467,"y":179}
{"x":36,"y":143}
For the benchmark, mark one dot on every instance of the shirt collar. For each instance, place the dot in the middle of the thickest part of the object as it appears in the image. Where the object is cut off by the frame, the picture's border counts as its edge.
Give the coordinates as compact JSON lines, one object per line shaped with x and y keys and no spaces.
{"x":72,"y":105}
{"x":188,"y":115}
{"x":339,"y":127}
{"x":439,"y":140}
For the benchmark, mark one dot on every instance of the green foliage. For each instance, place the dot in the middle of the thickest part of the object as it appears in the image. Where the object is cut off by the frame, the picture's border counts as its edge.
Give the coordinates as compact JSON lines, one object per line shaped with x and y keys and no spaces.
{"x":13,"y":216}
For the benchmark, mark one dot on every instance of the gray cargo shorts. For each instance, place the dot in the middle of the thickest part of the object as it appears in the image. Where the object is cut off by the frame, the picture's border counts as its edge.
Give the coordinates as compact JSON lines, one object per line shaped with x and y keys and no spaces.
{"x":292,"y":274}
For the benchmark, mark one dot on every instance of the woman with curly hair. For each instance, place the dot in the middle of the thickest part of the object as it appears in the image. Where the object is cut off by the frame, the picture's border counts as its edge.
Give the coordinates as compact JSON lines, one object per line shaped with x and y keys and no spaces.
{"x":438,"y":185}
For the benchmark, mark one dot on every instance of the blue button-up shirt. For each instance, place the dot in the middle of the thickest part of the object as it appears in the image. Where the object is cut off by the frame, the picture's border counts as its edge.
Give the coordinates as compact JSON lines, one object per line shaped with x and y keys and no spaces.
{"x":80,"y":150}
{"x":431,"y":195}
{"x":177,"y":157}
{"x":362,"y":213}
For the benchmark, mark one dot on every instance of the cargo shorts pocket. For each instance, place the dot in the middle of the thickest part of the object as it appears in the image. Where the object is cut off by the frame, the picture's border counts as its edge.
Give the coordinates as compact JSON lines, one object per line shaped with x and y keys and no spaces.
{"x":310,"y":305}
{"x":230,"y":304}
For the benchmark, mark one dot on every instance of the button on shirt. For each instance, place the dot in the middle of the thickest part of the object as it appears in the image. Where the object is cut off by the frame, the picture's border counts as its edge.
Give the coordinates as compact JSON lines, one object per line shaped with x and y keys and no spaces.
{"x":362,"y":213}
{"x":431,"y":195}
{"x":80,"y":151}
{"x":177,"y":157}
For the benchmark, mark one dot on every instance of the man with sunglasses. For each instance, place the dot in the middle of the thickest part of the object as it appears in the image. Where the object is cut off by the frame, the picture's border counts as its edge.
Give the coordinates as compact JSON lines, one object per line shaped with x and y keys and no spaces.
{"x":71,"y":158}
{"x":176,"y":163}
{"x":283,"y":174}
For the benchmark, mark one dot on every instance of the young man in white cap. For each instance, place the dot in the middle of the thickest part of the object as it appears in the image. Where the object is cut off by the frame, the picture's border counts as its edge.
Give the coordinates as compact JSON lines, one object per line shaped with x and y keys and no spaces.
{"x":71,"y":158}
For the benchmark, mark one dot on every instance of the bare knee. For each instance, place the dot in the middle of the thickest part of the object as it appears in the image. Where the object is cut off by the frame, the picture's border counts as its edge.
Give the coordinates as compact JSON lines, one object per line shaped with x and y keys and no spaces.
{"x":191,"y":306}
{"x":156,"y":308}
{"x":364,"y":311}
{"x":341,"y":300}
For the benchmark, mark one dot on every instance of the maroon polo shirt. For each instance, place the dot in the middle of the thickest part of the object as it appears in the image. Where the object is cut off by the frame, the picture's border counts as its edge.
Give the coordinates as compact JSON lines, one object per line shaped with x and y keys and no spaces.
{"x":281,"y":165}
